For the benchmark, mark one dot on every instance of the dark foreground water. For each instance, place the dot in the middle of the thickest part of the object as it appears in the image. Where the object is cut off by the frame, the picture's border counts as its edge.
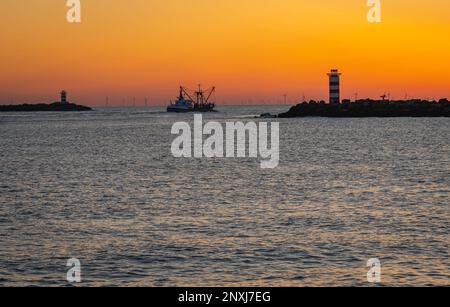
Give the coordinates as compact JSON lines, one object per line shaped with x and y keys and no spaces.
{"x":103,"y":187}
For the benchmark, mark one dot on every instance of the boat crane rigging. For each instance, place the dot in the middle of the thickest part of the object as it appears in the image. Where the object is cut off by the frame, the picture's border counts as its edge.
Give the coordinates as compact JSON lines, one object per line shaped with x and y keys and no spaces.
{"x":201,"y":103}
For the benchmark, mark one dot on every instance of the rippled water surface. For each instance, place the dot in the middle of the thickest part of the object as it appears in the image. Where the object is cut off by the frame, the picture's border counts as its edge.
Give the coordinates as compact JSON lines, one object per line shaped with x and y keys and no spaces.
{"x":103,"y":187}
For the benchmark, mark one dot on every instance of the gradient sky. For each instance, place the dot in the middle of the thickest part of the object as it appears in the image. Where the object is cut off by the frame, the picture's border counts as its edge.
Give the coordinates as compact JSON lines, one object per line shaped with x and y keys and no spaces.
{"x":251,"y":50}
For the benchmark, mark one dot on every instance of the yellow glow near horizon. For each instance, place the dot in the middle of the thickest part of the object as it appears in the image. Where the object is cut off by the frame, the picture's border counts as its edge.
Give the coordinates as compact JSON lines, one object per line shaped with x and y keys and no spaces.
{"x":249,"y":49}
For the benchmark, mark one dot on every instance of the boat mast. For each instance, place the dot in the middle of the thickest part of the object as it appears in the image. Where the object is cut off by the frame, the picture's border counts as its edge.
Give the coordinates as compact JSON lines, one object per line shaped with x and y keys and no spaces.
{"x":199,"y":95}
{"x":182,"y":89}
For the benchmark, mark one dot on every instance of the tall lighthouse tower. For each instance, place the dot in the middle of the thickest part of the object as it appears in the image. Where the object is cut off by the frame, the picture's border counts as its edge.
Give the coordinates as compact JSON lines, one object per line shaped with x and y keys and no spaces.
{"x":64,"y":97}
{"x":334,"y":77}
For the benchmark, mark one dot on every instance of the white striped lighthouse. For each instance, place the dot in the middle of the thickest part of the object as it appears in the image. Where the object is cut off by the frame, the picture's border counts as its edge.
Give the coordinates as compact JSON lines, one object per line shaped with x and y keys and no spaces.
{"x":64,"y":97}
{"x":334,"y":77}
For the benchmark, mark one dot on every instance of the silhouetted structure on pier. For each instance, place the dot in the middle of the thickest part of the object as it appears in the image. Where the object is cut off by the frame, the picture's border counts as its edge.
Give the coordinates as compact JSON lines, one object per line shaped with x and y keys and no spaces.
{"x":335,"y":91}
{"x":64,"y":97}
{"x":59,"y":106}
{"x":372,"y":108}
{"x":367,"y":107}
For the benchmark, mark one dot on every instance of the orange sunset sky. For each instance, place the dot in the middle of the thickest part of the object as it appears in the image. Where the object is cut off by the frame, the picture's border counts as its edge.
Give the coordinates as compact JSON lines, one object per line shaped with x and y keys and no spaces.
{"x":251,"y":50}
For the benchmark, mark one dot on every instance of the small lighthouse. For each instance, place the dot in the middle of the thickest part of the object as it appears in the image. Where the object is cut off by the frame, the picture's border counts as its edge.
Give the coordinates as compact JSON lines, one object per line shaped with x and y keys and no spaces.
{"x":64,"y":97}
{"x":334,"y":77}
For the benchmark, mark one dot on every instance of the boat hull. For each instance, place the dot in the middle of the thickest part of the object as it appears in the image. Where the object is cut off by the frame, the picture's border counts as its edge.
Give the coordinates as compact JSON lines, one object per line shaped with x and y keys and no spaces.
{"x":179,"y":109}
{"x":175,"y":109}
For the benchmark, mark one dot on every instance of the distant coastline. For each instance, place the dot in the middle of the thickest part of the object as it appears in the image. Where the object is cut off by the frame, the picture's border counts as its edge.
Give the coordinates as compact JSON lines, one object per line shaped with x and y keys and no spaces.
{"x":42,"y":107}
{"x":371,"y":108}
{"x":365,"y":107}
{"x":60,"y":106}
